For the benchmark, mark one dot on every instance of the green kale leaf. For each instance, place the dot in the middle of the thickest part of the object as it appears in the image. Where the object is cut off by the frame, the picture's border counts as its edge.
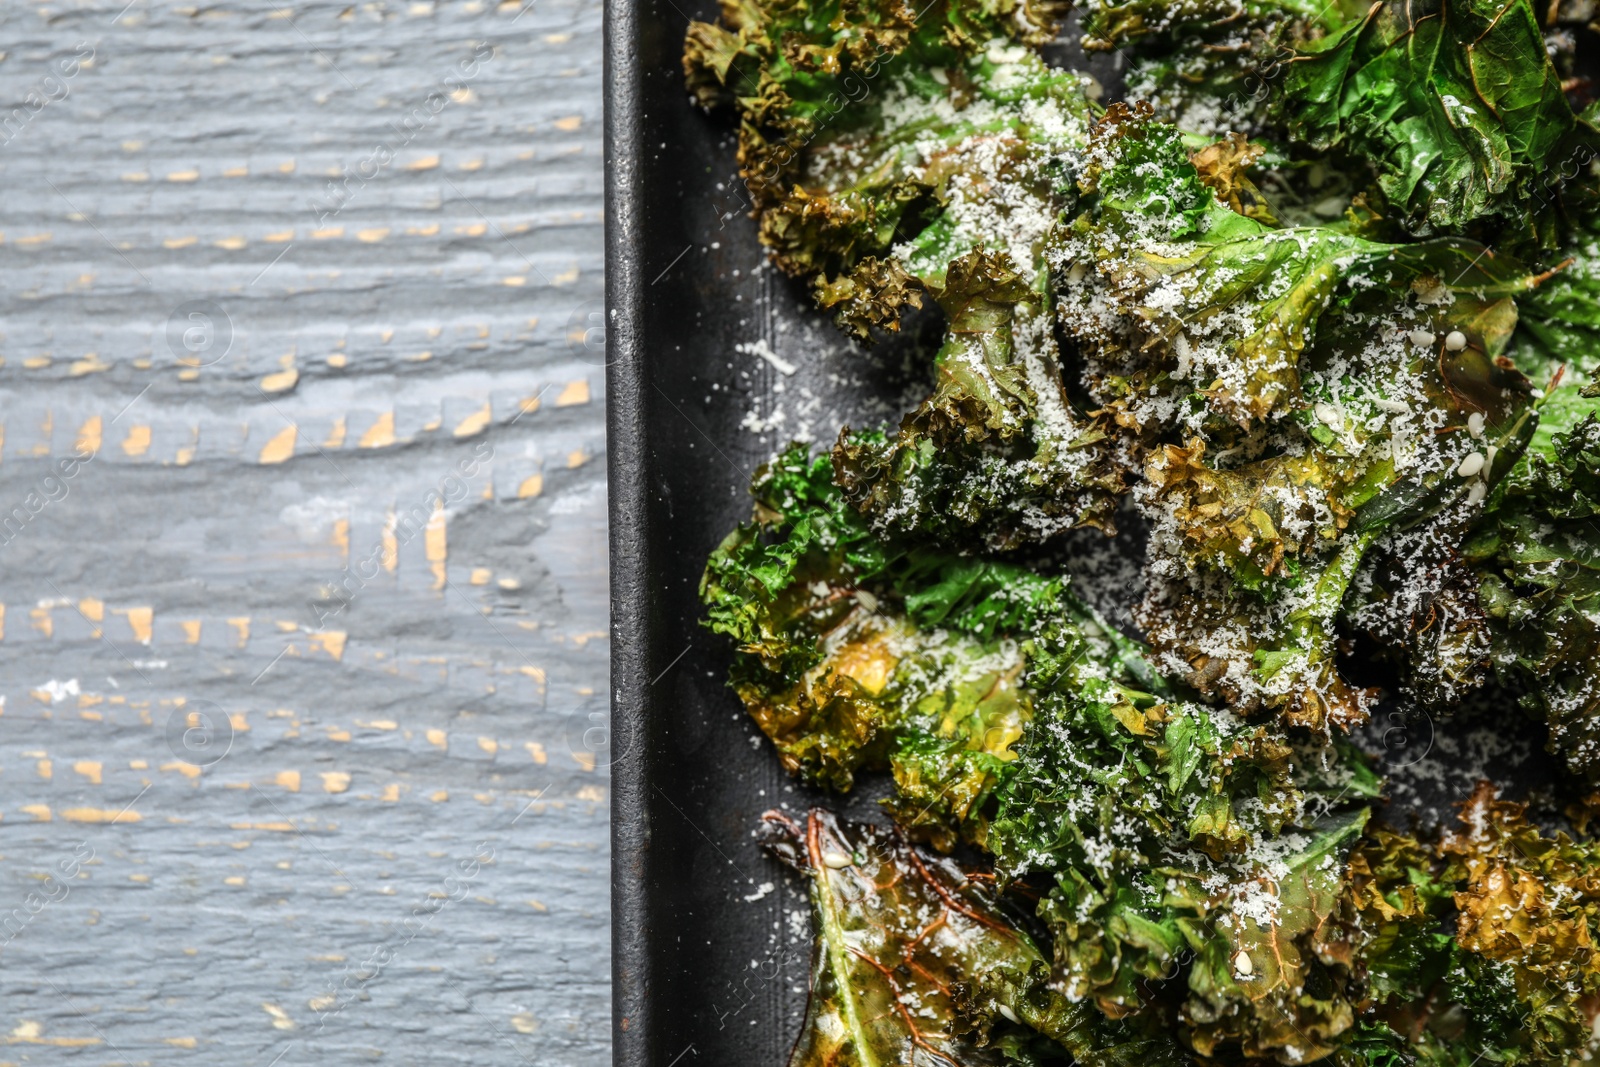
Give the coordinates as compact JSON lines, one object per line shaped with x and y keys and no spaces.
{"x":1538,"y":553}
{"x":1457,"y":104}
{"x":1285,"y":390}
{"x":856,"y":653}
{"x":872,"y":132}
{"x":1186,"y":844}
{"x":915,"y":963}
{"x":1529,"y":916}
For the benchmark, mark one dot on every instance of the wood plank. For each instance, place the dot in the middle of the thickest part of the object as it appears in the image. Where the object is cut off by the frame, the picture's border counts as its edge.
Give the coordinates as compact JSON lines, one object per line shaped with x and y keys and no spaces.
{"x":303,"y":653}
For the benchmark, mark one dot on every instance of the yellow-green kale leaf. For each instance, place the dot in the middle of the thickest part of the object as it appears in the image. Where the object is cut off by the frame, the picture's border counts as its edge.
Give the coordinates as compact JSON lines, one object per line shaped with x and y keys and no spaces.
{"x":1529,"y":916}
{"x":860,"y":653}
{"x":1184,"y":843}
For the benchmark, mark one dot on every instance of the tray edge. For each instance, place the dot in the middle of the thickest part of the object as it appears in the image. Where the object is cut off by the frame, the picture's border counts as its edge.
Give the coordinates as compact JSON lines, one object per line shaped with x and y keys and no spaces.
{"x":626,"y":464}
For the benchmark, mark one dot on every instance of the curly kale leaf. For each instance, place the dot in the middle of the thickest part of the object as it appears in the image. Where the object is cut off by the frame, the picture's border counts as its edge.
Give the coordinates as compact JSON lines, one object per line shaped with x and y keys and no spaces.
{"x":1559,"y":323}
{"x":1269,"y":985}
{"x":1374,"y":1045}
{"x":1224,"y":167}
{"x":1183,"y":841}
{"x":1113,"y":24}
{"x":903,"y":940}
{"x":997,"y":454}
{"x":872,"y":132}
{"x":1478,"y":947}
{"x":1235,"y":519}
{"x":764,"y":586}
{"x":856,"y":653}
{"x":786,"y":63}
{"x":1538,"y":552}
{"x":1170,"y":287}
{"x":1397,"y":891}
{"x":944,"y":180}
{"x":997,"y":495}
{"x":1289,"y":393}
{"x":915,"y":963}
{"x":830,"y":677}
{"x":1208,"y":65}
{"x":1456,"y":103}
{"x":1416,"y":594}
{"x":1561,"y":481}
{"x":1529,"y":916}
{"x":872,"y":295}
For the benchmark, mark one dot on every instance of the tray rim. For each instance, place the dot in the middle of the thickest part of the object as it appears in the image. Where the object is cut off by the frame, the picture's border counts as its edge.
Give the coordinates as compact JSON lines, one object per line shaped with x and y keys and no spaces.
{"x":631,"y":598}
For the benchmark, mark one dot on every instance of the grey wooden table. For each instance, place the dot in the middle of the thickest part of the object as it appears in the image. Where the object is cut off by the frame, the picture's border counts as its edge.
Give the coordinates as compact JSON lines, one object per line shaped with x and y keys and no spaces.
{"x":302,"y":528}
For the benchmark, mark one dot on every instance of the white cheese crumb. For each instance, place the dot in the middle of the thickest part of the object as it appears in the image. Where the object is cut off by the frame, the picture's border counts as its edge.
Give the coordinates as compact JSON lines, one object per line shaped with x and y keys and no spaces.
{"x":762,"y":349}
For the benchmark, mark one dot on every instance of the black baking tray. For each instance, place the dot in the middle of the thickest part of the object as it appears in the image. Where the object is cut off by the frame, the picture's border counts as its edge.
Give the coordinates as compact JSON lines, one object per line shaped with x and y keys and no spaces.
{"x":703,"y":975}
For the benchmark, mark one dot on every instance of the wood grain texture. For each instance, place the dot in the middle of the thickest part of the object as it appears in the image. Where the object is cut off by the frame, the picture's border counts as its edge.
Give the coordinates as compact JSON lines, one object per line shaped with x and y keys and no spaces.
{"x":303,"y":651}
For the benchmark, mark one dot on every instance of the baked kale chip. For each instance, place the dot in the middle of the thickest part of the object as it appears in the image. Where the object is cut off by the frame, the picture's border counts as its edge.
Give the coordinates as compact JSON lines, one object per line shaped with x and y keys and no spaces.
{"x":855,"y":652}
{"x":916,"y":963}
{"x":1457,"y":104}
{"x":1291,"y":396}
{"x":1537,"y":552}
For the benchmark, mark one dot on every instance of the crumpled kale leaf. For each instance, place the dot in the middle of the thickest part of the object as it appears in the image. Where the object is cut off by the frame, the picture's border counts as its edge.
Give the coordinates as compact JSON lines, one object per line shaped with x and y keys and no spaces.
{"x":1457,"y":105}
{"x":1400,"y":901}
{"x":1529,"y":916}
{"x":1155,"y":818}
{"x":1210,"y":877}
{"x":941,"y":181}
{"x":1108,"y":25}
{"x":1559,"y":323}
{"x":1224,"y":167}
{"x":900,"y":937}
{"x":915,"y":963}
{"x":1276,"y":447}
{"x":996,"y":454}
{"x":857,"y":653}
{"x":867,"y":128}
{"x":788,"y":64}
{"x":1203,"y":294}
{"x":1206,"y":64}
{"x":1538,"y":556}
{"x":1476,"y":947}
